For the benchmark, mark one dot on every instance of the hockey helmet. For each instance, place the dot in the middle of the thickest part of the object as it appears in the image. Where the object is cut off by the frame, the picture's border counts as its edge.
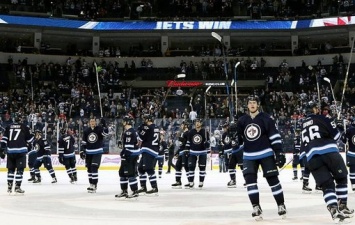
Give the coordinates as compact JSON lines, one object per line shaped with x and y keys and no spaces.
{"x":128,"y":120}
{"x":63,"y":131}
{"x":254,"y":97}
{"x":148,"y":117}
{"x":185,"y":123}
{"x":309,"y":107}
{"x":225,"y":124}
{"x":198,"y":119}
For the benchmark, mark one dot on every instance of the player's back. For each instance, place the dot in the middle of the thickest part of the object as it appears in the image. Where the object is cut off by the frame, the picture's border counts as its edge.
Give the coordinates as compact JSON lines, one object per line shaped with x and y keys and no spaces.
{"x":16,"y":137}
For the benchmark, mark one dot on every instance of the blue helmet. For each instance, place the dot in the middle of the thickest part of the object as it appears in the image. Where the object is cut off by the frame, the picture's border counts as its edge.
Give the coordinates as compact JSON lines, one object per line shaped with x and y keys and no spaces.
{"x":254,"y":97}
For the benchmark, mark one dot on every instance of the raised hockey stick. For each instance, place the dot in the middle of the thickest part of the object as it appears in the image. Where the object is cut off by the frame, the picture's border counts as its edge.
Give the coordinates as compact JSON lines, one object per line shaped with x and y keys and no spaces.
{"x":235,"y":86}
{"x":98,"y":87}
{"x":331,"y":88}
{"x":179,"y":76}
{"x":346,"y":79}
{"x":220,"y":39}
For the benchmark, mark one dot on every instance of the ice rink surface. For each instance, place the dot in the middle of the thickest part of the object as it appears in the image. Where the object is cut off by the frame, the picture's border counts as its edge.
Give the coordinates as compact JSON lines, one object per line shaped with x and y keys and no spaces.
{"x":65,"y":204}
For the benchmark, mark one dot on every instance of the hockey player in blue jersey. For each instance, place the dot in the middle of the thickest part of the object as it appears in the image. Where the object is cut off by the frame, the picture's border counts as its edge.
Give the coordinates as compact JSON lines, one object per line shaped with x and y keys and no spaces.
{"x":198,"y":144}
{"x":296,"y":156}
{"x":149,"y":138}
{"x":129,"y":156}
{"x":262,"y":147}
{"x":66,"y":154}
{"x":14,"y":144}
{"x":92,"y":150}
{"x":163,"y":150}
{"x":348,"y":138}
{"x":43,"y":157}
{"x":226,"y":142}
{"x":318,"y":140}
{"x":182,"y":157}
{"x":236,"y":157}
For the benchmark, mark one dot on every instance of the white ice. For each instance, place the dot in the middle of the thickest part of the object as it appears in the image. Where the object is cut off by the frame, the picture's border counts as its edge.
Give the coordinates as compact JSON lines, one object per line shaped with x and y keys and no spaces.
{"x":65,"y":204}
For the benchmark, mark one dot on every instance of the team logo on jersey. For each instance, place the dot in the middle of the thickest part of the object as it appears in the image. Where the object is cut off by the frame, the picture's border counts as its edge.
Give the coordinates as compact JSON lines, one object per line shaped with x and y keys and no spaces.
{"x":353,"y":139}
{"x":197,"y":139}
{"x":92,"y":137}
{"x":252,"y":132}
{"x":227,"y":140}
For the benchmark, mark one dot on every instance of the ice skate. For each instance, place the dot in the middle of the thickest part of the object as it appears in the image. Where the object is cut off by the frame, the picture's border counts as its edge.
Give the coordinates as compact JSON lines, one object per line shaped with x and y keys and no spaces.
{"x":177,"y":185}
{"x":92,"y":188}
{"x":232,"y":184}
{"x":318,"y":189}
{"x":75,"y":178}
{"x":258,"y":213}
{"x":282,"y":211}
{"x":142,"y":190}
{"x":187,"y":186}
{"x":200,"y":185}
{"x":337,"y":216}
{"x":191,"y":185}
{"x":153,"y":192}
{"x":353,"y":187}
{"x":72,"y":180}
{"x":9,"y":188}
{"x":54,"y":180}
{"x":122,"y":195}
{"x":32,"y":179}
{"x":37,"y":181}
{"x":133,"y":196}
{"x":306,"y":189}
{"x":301,"y":178}
{"x":19,"y":191}
{"x":344,"y":209}
{"x":295,"y":178}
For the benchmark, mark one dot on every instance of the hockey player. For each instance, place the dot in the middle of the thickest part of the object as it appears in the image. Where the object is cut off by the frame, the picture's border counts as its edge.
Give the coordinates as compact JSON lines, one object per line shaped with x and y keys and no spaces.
{"x":32,"y":155}
{"x":92,"y":150}
{"x":163,"y":149}
{"x":43,"y":157}
{"x":14,"y":144}
{"x":198,"y":144}
{"x":262,"y":147}
{"x":296,"y":155}
{"x":129,"y":156}
{"x":236,"y":157}
{"x":319,"y":136}
{"x":226,"y":143}
{"x":66,"y":153}
{"x":306,"y":173}
{"x":348,"y":138}
{"x":149,"y":138}
{"x":182,"y":157}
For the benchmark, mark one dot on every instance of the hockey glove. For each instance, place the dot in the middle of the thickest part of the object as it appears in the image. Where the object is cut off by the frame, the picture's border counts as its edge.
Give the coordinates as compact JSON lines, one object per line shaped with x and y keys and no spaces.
{"x":103,"y":122}
{"x":280,"y":159}
{"x":82,"y":155}
{"x":207,"y":145}
{"x":2,"y":153}
{"x":61,"y":159}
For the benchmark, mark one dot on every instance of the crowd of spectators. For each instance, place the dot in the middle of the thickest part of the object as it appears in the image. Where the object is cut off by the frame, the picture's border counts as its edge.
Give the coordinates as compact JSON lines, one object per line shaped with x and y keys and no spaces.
{"x":66,"y":92}
{"x":180,"y":9}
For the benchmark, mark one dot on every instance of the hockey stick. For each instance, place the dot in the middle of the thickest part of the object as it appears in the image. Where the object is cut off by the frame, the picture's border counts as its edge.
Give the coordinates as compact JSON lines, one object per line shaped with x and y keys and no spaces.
{"x":220,"y":39}
{"x":286,"y":165}
{"x":179,"y":76}
{"x":98,"y":86}
{"x":346,"y":79}
{"x":317,"y":82}
{"x":235,"y":86}
{"x":331,"y":88}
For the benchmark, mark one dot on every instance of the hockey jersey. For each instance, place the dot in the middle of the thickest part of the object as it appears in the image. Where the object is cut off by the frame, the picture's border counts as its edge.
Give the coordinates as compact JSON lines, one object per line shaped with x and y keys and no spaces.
{"x":16,"y":137}
{"x":296,"y":145}
{"x":66,"y":146}
{"x":227,"y":142}
{"x":42,"y":147}
{"x":130,"y":142}
{"x":93,"y":139}
{"x":319,"y":136}
{"x":149,"y":136}
{"x":349,"y":137}
{"x":259,"y":136}
{"x":183,"y":140}
{"x":196,"y":141}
